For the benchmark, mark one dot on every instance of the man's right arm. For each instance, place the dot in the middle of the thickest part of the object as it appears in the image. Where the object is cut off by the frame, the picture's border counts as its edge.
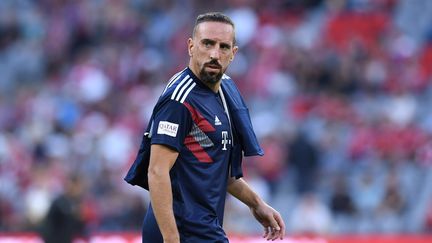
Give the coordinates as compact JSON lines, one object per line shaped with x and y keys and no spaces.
{"x":162,"y":159}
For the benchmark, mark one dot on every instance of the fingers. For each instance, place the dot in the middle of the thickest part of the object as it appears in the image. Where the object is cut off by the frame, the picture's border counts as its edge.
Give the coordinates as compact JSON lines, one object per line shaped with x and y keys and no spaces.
{"x":266,"y":232}
{"x":271,"y":233}
{"x":281,"y":223}
{"x":274,"y":226}
{"x":276,"y":229}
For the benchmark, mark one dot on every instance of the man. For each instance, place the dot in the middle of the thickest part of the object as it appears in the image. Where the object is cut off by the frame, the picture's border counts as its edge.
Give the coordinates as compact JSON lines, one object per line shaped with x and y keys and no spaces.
{"x":198,"y":131}
{"x":64,"y":222}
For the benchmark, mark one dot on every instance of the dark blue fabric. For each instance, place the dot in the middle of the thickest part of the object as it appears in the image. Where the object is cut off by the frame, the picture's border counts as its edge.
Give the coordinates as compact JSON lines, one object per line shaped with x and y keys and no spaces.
{"x":176,"y":113}
{"x":137,"y":174}
{"x":198,"y":187}
{"x":241,"y":122}
{"x":247,"y":143}
{"x":151,"y":232}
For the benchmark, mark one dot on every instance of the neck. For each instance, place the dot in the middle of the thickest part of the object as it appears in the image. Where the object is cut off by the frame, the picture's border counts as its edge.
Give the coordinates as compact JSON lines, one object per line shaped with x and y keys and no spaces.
{"x":213,"y":86}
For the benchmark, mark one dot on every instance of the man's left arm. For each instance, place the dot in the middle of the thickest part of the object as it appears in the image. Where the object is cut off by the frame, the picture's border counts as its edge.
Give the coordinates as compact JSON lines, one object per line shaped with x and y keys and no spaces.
{"x":274,"y":226}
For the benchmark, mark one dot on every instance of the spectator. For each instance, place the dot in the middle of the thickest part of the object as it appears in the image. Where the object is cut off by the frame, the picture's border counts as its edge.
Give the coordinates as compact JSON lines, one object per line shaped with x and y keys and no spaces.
{"x":342,"y":206}
{"x":392,"y":206}
{"x":270,"y":167}
{"x":303,"y":157}
{"x":64,"y":222}
{"x":311,"y":216}
{"x":341,"y":201}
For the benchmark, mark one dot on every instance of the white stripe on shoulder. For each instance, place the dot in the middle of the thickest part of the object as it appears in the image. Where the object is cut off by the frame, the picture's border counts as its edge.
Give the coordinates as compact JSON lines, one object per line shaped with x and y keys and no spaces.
{"x":172,"y":80}
{"x":183,"y":89}
{"x":175,"y":77}
{"x":179,"y":86}
{"x":187,"y":92}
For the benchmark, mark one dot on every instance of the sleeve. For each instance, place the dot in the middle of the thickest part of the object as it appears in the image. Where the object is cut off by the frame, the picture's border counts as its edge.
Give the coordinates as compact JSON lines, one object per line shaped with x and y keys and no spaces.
{"x":171,"y":124}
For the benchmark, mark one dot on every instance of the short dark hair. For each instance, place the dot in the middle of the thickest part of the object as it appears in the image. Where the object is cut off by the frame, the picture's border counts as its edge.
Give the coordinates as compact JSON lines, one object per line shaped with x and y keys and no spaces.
{"x":214,"y":17}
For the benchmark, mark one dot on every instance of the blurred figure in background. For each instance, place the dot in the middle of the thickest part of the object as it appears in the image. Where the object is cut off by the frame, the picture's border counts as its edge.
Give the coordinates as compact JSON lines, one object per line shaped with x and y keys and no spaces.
{"x":341,"y":201}
{"x":303,"y":156}
{"x":270,"y":167}
{"x":367,"y":198}
{"x":311,"y":216}
{"x":392,"y":205}
{"x":342,"y":205}
{"x":64,"y":221}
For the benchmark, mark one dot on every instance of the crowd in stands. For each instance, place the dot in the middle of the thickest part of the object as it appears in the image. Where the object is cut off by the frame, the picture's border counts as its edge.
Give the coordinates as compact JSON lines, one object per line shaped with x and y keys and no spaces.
{"x":339,"y":93}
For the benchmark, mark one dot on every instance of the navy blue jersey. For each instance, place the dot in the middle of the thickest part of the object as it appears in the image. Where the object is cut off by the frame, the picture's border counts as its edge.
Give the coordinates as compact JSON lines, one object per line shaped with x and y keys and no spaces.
{"x":191,"y":119}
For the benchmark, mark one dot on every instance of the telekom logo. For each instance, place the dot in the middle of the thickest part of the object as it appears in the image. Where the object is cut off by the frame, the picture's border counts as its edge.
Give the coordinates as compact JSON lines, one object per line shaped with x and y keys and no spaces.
{"x":225,"y":140}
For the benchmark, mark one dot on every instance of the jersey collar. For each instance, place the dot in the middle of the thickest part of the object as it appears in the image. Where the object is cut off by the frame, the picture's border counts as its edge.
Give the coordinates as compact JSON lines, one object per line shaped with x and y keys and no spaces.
{"x":197,"y":80}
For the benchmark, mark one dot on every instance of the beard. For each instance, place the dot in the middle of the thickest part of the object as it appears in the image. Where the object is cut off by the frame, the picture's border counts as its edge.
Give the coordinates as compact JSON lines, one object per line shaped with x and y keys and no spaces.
{"x":211,"y":77}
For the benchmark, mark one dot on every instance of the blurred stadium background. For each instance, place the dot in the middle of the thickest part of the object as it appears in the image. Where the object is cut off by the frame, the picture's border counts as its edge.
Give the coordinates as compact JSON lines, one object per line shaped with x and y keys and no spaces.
{"x":340,"y":93}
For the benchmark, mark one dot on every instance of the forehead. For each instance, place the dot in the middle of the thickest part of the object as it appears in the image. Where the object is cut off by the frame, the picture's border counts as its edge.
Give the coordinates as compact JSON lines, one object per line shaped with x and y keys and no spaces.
{"x":217,"y":31}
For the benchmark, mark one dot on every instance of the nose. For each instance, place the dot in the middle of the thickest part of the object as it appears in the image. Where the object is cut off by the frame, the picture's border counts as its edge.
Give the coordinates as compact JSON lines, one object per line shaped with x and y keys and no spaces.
{"x":214,"y":54}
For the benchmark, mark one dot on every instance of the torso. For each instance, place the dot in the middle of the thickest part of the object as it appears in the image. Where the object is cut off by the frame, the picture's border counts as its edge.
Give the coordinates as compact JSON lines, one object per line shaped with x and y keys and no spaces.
{"x":199,"y":175}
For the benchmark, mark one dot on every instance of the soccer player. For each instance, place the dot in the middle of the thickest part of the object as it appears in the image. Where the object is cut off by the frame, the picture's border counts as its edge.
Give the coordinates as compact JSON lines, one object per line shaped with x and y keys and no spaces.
{"x":199,"y":129}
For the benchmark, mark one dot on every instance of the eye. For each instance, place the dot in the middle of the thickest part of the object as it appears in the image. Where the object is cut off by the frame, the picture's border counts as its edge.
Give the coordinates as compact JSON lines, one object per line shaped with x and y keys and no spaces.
{"x":225,"y":47}
{"x":207,"y":43}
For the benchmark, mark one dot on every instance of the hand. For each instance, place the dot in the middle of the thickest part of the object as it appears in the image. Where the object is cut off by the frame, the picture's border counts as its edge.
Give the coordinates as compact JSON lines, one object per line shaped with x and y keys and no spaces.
{"x":274,"y":226}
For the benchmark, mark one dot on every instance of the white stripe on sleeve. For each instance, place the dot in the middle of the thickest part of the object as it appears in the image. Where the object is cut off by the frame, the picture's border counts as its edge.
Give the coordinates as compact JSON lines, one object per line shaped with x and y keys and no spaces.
{"x":178,"y":86}
{"x":187,"y":92}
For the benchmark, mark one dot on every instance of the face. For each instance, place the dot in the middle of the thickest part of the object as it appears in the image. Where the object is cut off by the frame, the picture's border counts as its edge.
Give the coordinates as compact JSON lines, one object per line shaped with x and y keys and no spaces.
{"x":211,"y":50}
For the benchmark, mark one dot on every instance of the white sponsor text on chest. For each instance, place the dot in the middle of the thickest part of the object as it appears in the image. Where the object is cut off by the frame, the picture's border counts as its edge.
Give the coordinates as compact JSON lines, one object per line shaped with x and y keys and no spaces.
{"x":167,"y":128}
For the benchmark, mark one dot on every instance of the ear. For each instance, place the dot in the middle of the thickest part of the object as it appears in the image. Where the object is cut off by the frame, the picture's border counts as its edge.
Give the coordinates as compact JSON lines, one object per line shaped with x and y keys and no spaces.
{"x":190,"y":46}
{"x":234,"y":51}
